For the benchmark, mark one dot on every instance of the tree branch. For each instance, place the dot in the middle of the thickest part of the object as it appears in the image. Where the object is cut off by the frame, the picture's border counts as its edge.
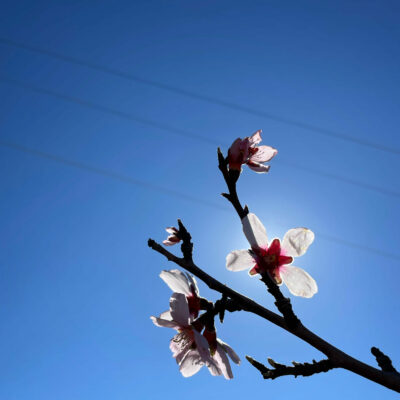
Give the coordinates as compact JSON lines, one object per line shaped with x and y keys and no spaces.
{"x":384,"y":362}
{"x":282,"y":303}
{"x":298,"y":369}
{"x":338,"y":358}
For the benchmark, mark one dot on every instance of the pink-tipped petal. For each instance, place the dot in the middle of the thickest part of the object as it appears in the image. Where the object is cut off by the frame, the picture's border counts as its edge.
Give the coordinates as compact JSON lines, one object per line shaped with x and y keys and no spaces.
{"x":254,"y":231}
{"x":298,"y":281}
{"x":176,"y":280}
{"x":254,"y":271}
{"x":255,"y":138}
{"x":171,"y":240}
{"x":296,"y":241}
{"x":239,"y":260}
{"x":263,"y":154}
{"x":257,"y":167}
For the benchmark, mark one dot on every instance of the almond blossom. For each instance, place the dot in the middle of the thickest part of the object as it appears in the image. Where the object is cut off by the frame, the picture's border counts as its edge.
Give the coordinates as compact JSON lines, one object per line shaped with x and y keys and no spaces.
{"x":190,"y":348}
{"x":186,"y":284}
{"x":173,"y":237}
{"x":274,"y":257}
{"x":246,"y":151}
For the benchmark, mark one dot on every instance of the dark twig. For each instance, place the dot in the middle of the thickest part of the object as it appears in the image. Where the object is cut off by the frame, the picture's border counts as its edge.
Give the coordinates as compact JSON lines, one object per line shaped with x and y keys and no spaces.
{"x":282,"y":303}
{"x":298,"y":369}
{"x":187,"y":245}
{"x":230,"y":180}
{"x":337,"y":357}
{"x":384,"y":362}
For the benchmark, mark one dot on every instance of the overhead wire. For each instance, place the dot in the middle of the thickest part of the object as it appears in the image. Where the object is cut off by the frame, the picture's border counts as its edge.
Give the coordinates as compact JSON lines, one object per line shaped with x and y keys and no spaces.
{"x":205,"y":98}
{"x":187,"y":134}
{"x":183,"y":196}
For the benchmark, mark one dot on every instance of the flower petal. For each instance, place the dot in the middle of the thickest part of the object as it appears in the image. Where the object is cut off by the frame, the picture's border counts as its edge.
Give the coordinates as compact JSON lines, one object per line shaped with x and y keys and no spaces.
{"x":231,"y":353}
{"x":296,"y":241}
{"x":192,"y":283}
{"x":164,"y":323}
{"x":202,"y":345}
{"x":298,"y":281}
{"x":223,"y":362}
{"x":255,"y":138}
{"x":180,"y":309}
{"x":171,"y":240}
{"x":176,"y":280}
{"x":191,"y":363}
{"x":239,"y":260}
{"x":264,"y":154}
{"x":254,"y":231}
{"x":166,"y":315}
{"x":180,"y":344}
{"x":257,"y":167}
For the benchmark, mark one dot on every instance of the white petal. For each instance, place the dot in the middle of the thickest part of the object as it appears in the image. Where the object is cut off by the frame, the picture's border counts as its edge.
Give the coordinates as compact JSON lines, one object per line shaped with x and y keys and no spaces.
{"x":164,"y":323}
{"x":264,"y":154}
{"x":180,"y":309}
{"x":239,"y":260}
{"x":176,"y":280}
{"x":258,"y":167}
{"x":223,"y":362}
{"x":255,"y":138}
{"x":191,"y":363}
{"x":231,"y":353}
{"x":180,"y":344}
{"x":202,"y":345}
{"x":213,"y":367}
{"x":192,"y":282}
{"x":296,"y":241}
{"x":298,"y":281}
{"x":254,"y":231}
{"x":166,"y":315}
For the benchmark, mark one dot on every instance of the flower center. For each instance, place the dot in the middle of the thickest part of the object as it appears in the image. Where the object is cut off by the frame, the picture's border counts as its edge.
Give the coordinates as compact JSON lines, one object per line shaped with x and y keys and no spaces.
{"x":271,"y":260}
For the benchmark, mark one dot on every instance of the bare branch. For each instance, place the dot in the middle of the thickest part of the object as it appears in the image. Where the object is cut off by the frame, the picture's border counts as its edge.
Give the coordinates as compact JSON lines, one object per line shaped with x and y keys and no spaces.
{"x":282,"y":303}
{"x":384,"y":362}
{"x":298,"y":369}
{"x":338,"y":358}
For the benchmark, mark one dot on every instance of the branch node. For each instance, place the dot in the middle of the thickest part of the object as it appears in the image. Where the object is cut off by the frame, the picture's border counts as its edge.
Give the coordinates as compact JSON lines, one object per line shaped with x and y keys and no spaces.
{"x":187,"y":245}
{"x":384,"y":362}
{"x":298,"y":369}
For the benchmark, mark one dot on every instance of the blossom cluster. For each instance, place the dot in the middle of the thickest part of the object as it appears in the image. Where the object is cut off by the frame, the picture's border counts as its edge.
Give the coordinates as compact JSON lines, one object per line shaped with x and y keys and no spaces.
{"x":195,"y":344}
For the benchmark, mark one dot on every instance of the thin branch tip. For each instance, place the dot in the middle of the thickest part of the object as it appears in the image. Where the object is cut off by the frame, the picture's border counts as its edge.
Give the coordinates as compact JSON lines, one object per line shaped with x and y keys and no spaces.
{"x":384,"y":361}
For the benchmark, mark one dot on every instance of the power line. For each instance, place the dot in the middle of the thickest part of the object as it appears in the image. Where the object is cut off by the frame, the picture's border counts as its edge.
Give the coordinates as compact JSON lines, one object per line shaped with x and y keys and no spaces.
{"x":209,"y":99}
{"x":187,"y":134}
{"x":133,"y":181}
{"x":110,"y":174}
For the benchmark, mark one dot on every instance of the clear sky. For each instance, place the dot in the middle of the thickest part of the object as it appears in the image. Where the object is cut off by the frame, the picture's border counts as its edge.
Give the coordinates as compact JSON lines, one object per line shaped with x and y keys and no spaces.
{"x":78,"y":282}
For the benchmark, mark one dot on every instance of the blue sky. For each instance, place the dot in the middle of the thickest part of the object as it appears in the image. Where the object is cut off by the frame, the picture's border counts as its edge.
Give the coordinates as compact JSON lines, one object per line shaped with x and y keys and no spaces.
{"x":78,"y":282}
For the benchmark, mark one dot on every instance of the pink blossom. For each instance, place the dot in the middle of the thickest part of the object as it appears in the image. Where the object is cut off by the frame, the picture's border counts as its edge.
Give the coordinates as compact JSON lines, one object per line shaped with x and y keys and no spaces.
{"x":189,"y":347}
{"x":246,"y":151}
{"x":186,"y":284}
{"x":173,"y":237}
{"x":274,"y":258}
